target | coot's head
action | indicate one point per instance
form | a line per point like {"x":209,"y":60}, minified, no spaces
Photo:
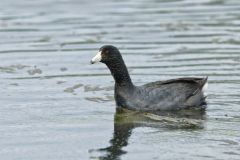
{"x":107,"y":54}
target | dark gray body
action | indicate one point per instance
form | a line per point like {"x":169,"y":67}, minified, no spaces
{"x":175,"y":94}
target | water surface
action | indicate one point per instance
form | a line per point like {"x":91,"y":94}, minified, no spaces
{"x":55,"y":105}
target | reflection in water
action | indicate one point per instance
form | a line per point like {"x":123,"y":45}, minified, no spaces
{"x":126,"y":121}
{"x":120,"y":139}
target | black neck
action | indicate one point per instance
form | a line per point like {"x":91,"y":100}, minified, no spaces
{"x":120,"y":73}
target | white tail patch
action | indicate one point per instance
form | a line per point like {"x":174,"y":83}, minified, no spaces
{"x":204,"y":89}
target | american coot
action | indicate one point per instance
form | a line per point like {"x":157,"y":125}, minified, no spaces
{"x":173,"y":94}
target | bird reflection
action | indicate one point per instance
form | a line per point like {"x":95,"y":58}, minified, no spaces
{"x":120,"y":139}
{"x":125,"y":122}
